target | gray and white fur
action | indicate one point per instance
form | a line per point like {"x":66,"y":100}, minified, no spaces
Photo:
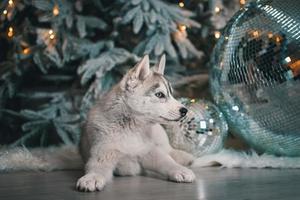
{"x":123,"y":135}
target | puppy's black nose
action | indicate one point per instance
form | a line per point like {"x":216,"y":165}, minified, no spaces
{"x":183,"y":111}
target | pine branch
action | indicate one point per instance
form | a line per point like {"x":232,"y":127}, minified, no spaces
{"x":161,"y":21}
{"x":62,"y":55}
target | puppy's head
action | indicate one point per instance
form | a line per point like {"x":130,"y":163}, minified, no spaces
{"x":149,"y":94}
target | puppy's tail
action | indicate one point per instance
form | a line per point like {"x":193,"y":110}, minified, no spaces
{"x":45,"y":159}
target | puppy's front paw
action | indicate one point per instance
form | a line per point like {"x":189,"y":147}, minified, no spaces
{"x":182,"y":175}
{"x":90,"y":182}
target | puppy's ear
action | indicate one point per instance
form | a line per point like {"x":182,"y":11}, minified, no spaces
{"x":138,"y":73}
{"x":160,"y":66}
{"x":142,"y":69}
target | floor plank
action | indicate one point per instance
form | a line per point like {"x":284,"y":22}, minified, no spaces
{"x":212,"y":184}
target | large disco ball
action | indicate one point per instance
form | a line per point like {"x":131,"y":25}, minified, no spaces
{"x":255,"y":77}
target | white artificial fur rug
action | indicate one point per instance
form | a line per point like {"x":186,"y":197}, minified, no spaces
{"x":233,"y":159}
{"x":45,"y":159}
{"x":67,"y":157}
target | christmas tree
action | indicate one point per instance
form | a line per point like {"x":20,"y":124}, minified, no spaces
{"x":58,"y":56}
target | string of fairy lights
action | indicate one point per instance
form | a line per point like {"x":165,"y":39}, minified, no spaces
{"x":9,"y":8}
{"x":55,"y":11}
{"x":181,"y":27}
{"x":217,"y":10}
{"x":11,"y":4}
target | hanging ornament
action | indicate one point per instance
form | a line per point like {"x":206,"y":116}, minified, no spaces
{"x":202,"y":131}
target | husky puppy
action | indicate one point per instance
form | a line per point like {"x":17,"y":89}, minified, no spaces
{"x":123,"y":135}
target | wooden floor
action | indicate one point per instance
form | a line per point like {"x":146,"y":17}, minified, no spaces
{"x":212,"y":184}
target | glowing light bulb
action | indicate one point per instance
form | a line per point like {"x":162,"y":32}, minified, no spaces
{"x":217,"y":9}
{"x":4,"y":12}
{"x":277,"y":39}
{"x":181,"y":4}
{"x":182,"y":27}
{"x":217,"y":34}
{"x":10,"y":32}
{"x":55,"y":10}
{"x":270,"y":35}
{"x":255,"y":34}
{"x":52,"y":36}
{"x":26,"y":51}
{"x":10,"y":2}
{"x":242,"y":2}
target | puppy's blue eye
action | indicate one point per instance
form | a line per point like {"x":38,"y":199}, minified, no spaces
{"x":160,"y":95}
